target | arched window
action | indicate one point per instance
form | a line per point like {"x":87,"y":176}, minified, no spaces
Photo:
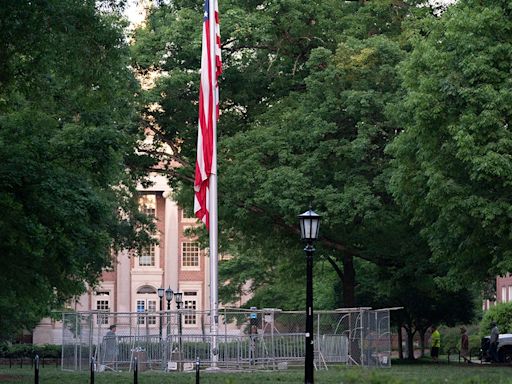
{"x":146,"y":289}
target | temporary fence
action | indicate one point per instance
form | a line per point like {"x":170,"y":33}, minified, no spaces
{"x":246,"y":339}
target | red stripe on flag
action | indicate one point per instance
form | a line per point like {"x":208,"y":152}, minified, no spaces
{"x":211,"y":68}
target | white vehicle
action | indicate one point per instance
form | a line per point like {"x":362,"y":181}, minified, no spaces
{"x":504,"y":348}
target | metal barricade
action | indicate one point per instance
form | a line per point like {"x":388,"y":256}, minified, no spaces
{"x":270,"y":338}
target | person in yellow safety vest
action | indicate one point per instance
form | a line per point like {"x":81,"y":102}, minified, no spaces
{"x":435,"y":343}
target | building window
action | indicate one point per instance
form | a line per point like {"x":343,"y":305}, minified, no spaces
{"x":152,"y":309}
{"x":141,"y":309}
{"x":102,"y":306}
{"x":510,"y":293}
{"x":190,"y":303}
{"x":146,"y":307}
{"x":185,"y":215}
{"x":146,"y":310}
{"x":503,"y":294}
{"x":147,"y":256}
{"x":190,"y":254}
{"x":147,"y":204}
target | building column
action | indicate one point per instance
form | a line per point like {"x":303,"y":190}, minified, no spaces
{"x":171,"y":264}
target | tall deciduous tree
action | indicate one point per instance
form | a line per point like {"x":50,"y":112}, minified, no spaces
{"x":303,"y":97}
{"x":68,"y":126}
{"x":453,"y":168}
{"x":304,"y":100}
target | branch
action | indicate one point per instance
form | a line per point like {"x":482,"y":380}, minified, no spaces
{"x":295,"y":230}
{"x":240,"y":47}
{"x":168,"y":171}
{"x":336,"y":268}
{"x":165,"y":156}
{"x":329,"y":243}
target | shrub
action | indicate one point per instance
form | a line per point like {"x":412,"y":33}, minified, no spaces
{"x":29,"y":350}
{"x":450,"y":337}
{"x":501,"y":313}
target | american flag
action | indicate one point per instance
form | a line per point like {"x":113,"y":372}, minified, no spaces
{"x":211,"y":68}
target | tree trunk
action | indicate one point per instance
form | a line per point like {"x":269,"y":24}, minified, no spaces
{"x":349,"y":281}
{"x":347,"y":277}
{"x":410,"y":343}
{"x":400,"y":348}
{"x":422,"y":341}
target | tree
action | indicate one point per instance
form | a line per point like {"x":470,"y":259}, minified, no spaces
{"x":303,"y":104}
{"x":424,"y":301}
{"x":452,"y":167}
{"x":68,"y":126}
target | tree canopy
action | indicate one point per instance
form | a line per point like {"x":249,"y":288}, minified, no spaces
{"x":304,"y":100}
{"x":68,"y":128}
{"x":452,"y":167}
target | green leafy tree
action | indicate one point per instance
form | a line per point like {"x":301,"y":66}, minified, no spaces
{"x":452,"y":160}
{"x":303,"y":119}
{"x":68,"y":126}
{"x":304,"y":99}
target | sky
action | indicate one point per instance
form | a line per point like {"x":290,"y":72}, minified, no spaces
{"x":135,"y":14}
{"x":134,"y":11}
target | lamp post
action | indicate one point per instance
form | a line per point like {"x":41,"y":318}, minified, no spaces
{"x":160,"y":292}
{"x":168,"y":297}
{"x":178,"y":297}
{"x":309,"y":225}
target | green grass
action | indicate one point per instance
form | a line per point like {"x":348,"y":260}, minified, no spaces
{"x":420,"y":373}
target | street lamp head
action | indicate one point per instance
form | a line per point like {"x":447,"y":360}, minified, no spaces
{"x":309,"y":225}
{"x":168,"y":294}
{"x":178,"y":297}
{"x":160,"y":292}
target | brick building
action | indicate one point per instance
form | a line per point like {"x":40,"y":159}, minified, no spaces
{"x":176,"y":262}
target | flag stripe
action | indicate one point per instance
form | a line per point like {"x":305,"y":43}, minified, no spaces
{"x":211,"y":68}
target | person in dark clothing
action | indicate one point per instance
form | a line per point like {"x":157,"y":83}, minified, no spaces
{"x":493,"y":342}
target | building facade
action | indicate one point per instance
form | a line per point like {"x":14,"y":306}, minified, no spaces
{"x":503,"y":291}
{"x":176,"y":262}
{"x":504,"y":288}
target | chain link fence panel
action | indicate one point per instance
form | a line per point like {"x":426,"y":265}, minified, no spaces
{"x":246,"y":339}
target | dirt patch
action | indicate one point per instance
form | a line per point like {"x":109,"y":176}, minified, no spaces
{"x":10,"y":378}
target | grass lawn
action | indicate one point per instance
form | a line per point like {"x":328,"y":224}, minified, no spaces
{"x":398,"y":374}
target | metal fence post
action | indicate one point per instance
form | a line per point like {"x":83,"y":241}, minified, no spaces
{"x":36,"y":369}
{"x":198,"y":363}
{"x":91,"y":370}
{"x":136,"y":371}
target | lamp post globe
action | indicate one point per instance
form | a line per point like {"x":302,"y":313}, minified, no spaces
{"x":309,"y":225}
{"x":309,"y":229}
{"x":178,"y":298}
{"x":168,"y":297}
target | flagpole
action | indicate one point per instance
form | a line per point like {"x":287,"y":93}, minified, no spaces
{"x":205,"y":184}
{"x":213,"y":228}
{"x":213,"y":232}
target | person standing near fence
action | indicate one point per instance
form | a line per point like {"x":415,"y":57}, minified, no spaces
{"x":493,"y":342}
{"x":110,"y":347}
{"x":464,"y":344}
{"x":435,"y":343}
